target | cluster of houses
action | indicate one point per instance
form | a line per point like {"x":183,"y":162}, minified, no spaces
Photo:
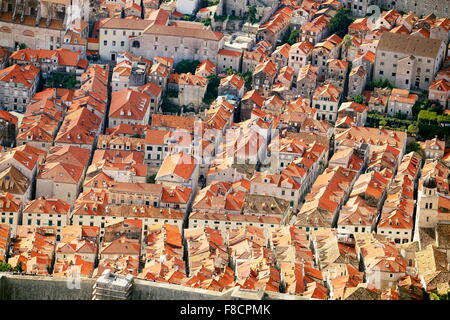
{"x":277,"y":185}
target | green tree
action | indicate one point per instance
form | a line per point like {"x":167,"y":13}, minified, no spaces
{"x":5,"y":267}
{"x":413,"y":129}
{"x":383,"y":123}
{"x":219,"y":18}
{"x":187,"y":17}
{"x":437,"y":296}
{"x":340,"y":22}
{"x":347,"y":40}
{"x":185,"y":66}
{"x":136,"y":135}
{"x":212,"y":90}
{"x":293,"y":37}
{"x":22,"y":46}
{"x":420,"y":105}
{"x":152,"y":178}
{"x":206,"y":22}
{"x":252,"y":15}
{"x":248,"y":79}
{"x":169,"y":106}
{"x":18,"y":267}
{"x":382,"y":83}
{"x":413,"y":146}
{"x":358,"y":99}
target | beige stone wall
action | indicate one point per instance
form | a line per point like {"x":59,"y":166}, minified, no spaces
{"x":50,"y":189}
{"x":387,"y":66}
{"x":42,"y":38}
{"x":180,"y":48}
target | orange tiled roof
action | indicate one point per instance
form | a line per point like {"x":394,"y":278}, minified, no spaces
{"x":26,"y":75}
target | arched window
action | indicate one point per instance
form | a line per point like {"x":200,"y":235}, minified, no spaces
{"x":136,"y":44}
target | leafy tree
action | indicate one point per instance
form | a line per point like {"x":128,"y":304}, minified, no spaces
{"x":206,"y":21}
{"x":379,"y":84}
{"x":420,"y":105}
{"x":169,"y":106}
{"x":212,"y":90}
{"x":383,"y":123}
{"x":219,"y":18}
{"x":340,"y":22}
{"x":438,"y":296}
{"x":413,"y":146}
{"x":136,"y":135}
{"x":247,"y":76}
{"x":435,"y":107}
{"x":293,"y":37}
{"x":152,"y":178}
{"x":185,"y":66}
{"x":62,"y":80}
{"x":5,"y":267}
{"x":358,"y":99}
{"x":252,"y":15}
{"x":347,"y":40}
{"x":22,"y":46}
{"x":426,"y":116}
{"x":187,"y":17}
{"x":413,"y":129}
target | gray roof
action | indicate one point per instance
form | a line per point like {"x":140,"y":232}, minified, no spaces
{"x":410,"y":45}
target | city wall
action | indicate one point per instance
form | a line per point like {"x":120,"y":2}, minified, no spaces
{"x":15,"y":287}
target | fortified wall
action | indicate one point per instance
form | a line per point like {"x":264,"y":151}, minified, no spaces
{"x":441,"y":8}
{"x":15,"y":287}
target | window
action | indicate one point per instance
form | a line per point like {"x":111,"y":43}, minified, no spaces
{"x":105,"y":43}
